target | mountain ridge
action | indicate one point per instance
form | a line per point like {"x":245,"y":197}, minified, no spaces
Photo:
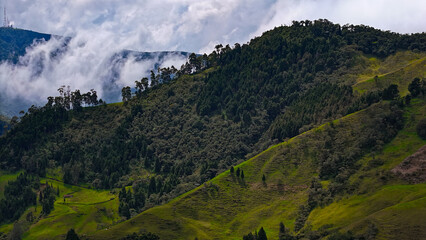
{"x":14,"y":44}
{"x":223,"y":108}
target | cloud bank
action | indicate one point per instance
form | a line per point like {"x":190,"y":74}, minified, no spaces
{"x":99,"y":29}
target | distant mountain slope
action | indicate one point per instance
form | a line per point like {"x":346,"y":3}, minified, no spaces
{"x":111,"y":89}
{"x":13,"y":42}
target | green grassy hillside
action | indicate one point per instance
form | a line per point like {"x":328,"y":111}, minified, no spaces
{"x":87,"y":211}
{"x":414,"y":66}
{"x":4,"y":178}
{"x":228,"y":207}
{"x":165,"y":142}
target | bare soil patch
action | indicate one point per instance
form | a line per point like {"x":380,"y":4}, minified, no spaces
{"x":413,"y":168}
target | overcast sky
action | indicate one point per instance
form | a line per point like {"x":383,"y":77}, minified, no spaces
{"x":102,"y":28}
{"x":197,"y":25}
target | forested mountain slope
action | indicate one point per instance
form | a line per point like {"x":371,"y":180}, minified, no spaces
{"x":332,"y":178}
{"x":221,"y":109}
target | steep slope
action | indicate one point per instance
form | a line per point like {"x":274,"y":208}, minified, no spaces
{"x":222,"y":109}
{"x":13,"y":42}
{"x":228,"y":207}
{"x":399,"y":76}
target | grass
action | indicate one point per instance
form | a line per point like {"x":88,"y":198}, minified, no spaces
{"x":5,"y":177}
{"x":415,"y":66}
{"x":228,"y":208}
{"x":86,"y":211}
{"x":355,"y":212}
{"x":389,"y":203}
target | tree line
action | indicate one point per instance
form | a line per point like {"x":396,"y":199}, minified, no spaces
{"x":185,"y":132}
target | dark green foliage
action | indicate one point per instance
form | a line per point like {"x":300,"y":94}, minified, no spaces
{"x":334,"y":157}
{"x":370,"y":233}
{"x":337,"y":161}
{"x":4,"y":126}
{"x":35,"y":127}
{"x":47,"y":198}
{"x":391,"y":92}
{"x":282,"y":231}
{"x":302,"y":216}
{"x":407,"y":99}
{"x":415,"y":87}
{"x":322,"y":102}
{"x":132,"y":201}
{"x":152,"y":186}
{"x":249,"y":236}
{"x":198,"y":125}
{"x":126,"y":94}
{"x":284,"y":234}
{"x":144,"y":236}
{"x":72,"y":235}
{"x":342,"y":236}
{"x":13,"y":42}
{"x":261,"y":235}
{"x":421,"y":128}
{"x":18,"y":195}
{"x":289,"y":66}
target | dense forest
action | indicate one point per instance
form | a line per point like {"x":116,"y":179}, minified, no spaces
{"x":188,"y":125}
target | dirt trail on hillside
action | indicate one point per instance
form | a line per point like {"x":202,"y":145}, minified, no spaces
{"x":413,"y":168}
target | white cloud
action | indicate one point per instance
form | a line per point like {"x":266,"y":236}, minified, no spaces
{"x":394,"y":15}
{"x":102,"y":28}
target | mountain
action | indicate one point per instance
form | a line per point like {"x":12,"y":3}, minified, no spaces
{"x":14,"y":44}
{"x":322,"y":112}
{"x":364,"y":197}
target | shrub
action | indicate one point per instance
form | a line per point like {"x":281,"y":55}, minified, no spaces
{"x":421,"y":128}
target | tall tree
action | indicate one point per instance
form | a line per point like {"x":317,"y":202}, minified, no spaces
{"x":154,"y":79}
{"x":72,"y":235}
{"x":415,"y":87}
{"x":391,"y":92}
{"x":139,"y":88}
{"x":261,"y":235}
{"x":145,"y":83}
{"x":126,"y":94}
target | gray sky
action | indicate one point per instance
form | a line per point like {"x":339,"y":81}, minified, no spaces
{"x":197,"y":25}
{"x":102,"y":28}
